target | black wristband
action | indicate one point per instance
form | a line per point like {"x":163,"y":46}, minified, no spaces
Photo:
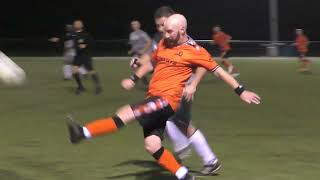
{"x":134,"y":78}
{"x":239,"y":90}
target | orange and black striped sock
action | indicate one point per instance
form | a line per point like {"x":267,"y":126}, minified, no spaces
{"x":168,"y":161}
{"x":104,"y":126}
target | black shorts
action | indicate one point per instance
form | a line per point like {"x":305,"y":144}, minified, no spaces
{"x":182,"y":117}
{"x":152,"y":114}
{"x":83,"y":60}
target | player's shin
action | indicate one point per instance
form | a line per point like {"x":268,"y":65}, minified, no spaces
{"x":202,"y":148}
{"x":78,"y":80}
{"x":178,"y":139}
{"x":102,"y":127}
{"x":167,"y":160}
{"x":67,"y":71}
{"x":95,"y":79}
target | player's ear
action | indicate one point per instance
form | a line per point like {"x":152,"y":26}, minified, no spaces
{"x":183,"y":31}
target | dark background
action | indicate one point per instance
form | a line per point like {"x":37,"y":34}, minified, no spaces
{"x":109,"y":19}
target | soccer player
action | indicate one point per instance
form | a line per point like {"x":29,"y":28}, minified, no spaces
{"x":174,"y":61}
{"x":140,"y":44}
{"x":83,"y":43}
{"x":179,"y":130}
{"x":222,"y":39}
{"x":302,"y":43}
{"x":68,"y":52}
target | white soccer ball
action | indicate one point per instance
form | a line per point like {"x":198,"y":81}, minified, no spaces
{"x":12,"y":77}
{"x":10,"y":73}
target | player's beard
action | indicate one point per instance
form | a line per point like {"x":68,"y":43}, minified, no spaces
{"x":172,"y":42}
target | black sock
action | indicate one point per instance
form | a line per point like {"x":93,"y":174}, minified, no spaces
{"x":157,"y":155}
{"x":95,"y":79}
{"x":78,"y":80}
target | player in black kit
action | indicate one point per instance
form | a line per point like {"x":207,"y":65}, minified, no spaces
{"x":83,"y":43}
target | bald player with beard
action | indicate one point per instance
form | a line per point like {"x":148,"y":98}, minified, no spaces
{"x":174,"y":61}
{"x":181,"y":133}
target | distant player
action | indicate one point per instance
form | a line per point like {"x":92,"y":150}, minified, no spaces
{"x":140,"y":44}
{"x":302,"y":43}
{"x":69,"y":52}
{"x":222,"y":40}
{"x":83,"y":43}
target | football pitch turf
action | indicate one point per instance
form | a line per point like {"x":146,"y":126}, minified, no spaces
{"x":276,"y":140}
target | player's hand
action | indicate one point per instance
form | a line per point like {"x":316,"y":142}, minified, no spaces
{"x":127,"y":84}
{"x":54,"y":39}
{"x":189,"y":92}
{"x":82,"y":46}
{"x":250,"y":97}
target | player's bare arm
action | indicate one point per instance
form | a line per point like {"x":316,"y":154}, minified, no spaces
{"x":54,"y":39}
{"x":190,"y":89}
{"x":245,"y":95}
{"x":144,"y":69}
{"x":82,"y":46}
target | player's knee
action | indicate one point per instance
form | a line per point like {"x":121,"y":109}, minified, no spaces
{"x":191,"y":130}
{"x":152,"y":144}
{"x":75,"y":69}
{"x":126,"y":114}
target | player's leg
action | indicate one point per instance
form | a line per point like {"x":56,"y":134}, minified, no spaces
{"x":179,"y":140}
{"x":76,"y":76}
{"x":102,"y":126}
{"x":177,"y":129}
{"x":203,"y":149}
{"x":195,"y":137}
{"x":225,"y":61}
{"x":83,"y":71}
{"x":123,"y":116}
{"x":165,"y":158}
{"x":67,"y":67}
{"x":224,"y":56}
{"x":153,"y":128}
{"x":304,"y":62}
{"x":95,"y":78}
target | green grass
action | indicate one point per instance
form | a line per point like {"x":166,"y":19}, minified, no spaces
{"x":277,"y":140}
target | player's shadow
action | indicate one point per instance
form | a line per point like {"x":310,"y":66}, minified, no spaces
{"x":154,"y":172}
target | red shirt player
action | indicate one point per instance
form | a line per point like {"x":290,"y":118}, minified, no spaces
{"x":301,"y":43}
{"x":222,"y":39}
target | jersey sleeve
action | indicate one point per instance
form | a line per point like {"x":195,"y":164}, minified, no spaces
{"x":203,"y":59}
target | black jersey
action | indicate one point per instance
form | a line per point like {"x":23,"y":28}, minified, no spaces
{"x":82,"y":38}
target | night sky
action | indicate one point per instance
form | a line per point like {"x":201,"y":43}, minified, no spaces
{"x":109,"y":19}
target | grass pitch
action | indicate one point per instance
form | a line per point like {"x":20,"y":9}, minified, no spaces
{"x":276,"y":140}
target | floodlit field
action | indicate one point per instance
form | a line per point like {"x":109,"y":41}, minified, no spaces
{"x":277,"y":140}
